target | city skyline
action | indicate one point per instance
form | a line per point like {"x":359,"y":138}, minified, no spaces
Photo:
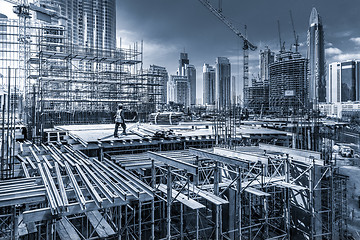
{"x":204,"y":37}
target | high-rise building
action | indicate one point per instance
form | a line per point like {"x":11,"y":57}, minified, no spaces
{"x":191,"y":75}
{"x":343,"y":84}
{"x":178,"y":90}
{"x":316,"y":56}
{"x":208,"y":84}
{"x":288,"y":83}
{"x":184,"y":60}
{"x":223,"y":83}
{"x":266,"y":58}
{"x":162,"y":76}
{"x":90,"y":23}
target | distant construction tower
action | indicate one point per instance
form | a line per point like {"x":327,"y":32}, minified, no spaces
{"x":288,"y":83}
{"x":90,"y":23}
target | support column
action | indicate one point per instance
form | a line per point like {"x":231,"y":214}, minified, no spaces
{"x":168,"y":203}
{"x":181,"y":221}
{"x":153,"y":179}
{"x":216,"y":192}
{"x":238,"y":198}
{"x":197,"y":224}
{"x":139,"y":220}
{"x":287,"y":196}
{"x":119,"y":223}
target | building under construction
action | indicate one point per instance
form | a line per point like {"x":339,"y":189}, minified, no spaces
{"x":168,"y":179}
{"x":288,"y":83}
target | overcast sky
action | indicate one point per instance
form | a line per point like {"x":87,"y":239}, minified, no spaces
{"x":169,"y":27}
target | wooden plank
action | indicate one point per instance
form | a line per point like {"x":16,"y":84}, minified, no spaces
{"x":301,"y":155}
{"x":241,"y":155}
{"x":257,"y":192}
{"x":101,"y":226}
{"x":219,"y":158}
{"x":190,"y":168}
{"x":182,"y":198}
{"x":65,"y":230}
{"x":206,"y":195}
{"x":291,"y":186}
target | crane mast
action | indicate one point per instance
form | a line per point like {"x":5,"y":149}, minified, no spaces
{"x":246,"y":46}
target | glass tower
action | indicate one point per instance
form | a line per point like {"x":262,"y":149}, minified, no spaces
{"x":316,"y":56}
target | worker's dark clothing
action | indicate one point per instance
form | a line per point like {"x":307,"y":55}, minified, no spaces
{"x":119,"y":120}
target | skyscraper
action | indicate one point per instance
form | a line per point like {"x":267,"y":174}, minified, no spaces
{"x":223,"y":82}
{"x":182,"y":62}
{"x":191,"y":75}
{"x":316,"y":56}
{"x":208,"y":84}
{"x":90,"y":23}
{"x":189,"y":71}
{"x":343,"y":82}
{"x":266,"y":58}
{"x":178,"y":90}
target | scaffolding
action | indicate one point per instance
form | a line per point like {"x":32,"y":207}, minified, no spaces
{"x":288,"y":84}
{"x":74,"y":84}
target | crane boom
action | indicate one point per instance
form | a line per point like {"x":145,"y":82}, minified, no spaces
{"x":247,"y":44}
{"x":222,"y":18}
{"x":296,"y":37}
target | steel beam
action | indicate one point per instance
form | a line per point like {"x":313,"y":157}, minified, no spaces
{"x":94,"y":194}
{"x":190,"y":168}
{"x":220,"y":158}
{"x":61,"y":185}
{"x":292,"y":152}
{"x":77,"y":190}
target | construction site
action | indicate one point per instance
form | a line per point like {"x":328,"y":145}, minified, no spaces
{"x":170,"y":175}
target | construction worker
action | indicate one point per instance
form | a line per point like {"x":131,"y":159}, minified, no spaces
{"x":119,"y":120}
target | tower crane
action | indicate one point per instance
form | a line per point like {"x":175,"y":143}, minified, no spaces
{"x":296,"y":37}
{"x":246,"y":46}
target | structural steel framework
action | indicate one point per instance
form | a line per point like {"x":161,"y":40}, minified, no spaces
{"x":265,"y":192}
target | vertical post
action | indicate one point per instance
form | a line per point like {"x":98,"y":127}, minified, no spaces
{"x":153,"y":179}
{"x":9,"y":166}
{"x":332,"y":199}
{"x":168,"y":202}
{"x":238,"y":186}
{"x":181,"y":221}
{"x":197,"y":224}
{"x":139,"y":220}
{"x":216,"y":192}
{"x":311,"y":200}
{"x":287,"y":195}
{"x":267,"y":218}
{"x":126,"y":221}
{"x":197,"y":163}
{"x":3,"y":137}
{"x":119,"y":223}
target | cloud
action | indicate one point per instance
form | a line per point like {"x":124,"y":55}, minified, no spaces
{"x":333,"y":51}
{"x":347,"y":56}
{"x":356,"y":40}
